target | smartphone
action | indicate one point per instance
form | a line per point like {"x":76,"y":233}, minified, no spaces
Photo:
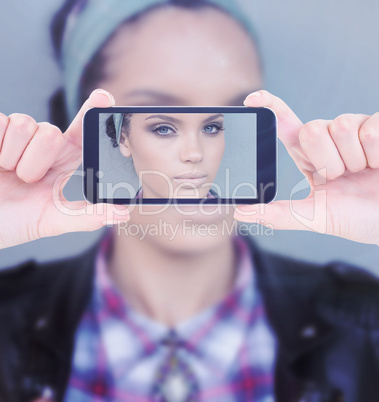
{"x":183,"y":155}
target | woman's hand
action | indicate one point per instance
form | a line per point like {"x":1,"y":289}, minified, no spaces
{"x":36,"y":161}
{"x":340,"y":159}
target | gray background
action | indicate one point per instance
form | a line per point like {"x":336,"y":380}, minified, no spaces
{"x":319,"y":56}
{"x":119,"y":179}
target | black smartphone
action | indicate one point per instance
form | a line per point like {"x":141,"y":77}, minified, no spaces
{"x":183,"y":155}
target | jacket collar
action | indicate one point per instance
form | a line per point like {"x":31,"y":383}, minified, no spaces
{"x":290,"y":290}
{"x":67,"y":285}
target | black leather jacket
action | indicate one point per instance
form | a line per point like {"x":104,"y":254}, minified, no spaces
{"x":326,"y":319}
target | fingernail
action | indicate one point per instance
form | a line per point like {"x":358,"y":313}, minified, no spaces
{"x":245,"y":207}
{"x":109,"y":223}
{"x":238,"y":217}
{"x":255,"y":94}
{"x":107,"y":94}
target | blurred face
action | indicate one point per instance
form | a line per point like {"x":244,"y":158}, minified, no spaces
{"x":179,"y":57}
{"x":175,"y":155}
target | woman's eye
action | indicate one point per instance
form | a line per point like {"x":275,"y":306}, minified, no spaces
{"x":163,"y":130}
{"x":212,"y":128}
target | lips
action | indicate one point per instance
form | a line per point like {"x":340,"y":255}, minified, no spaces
{"x":191,"y":179}
{"x":191,"y":175}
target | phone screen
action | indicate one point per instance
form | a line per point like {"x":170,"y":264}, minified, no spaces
{"x":178,"y":155}
{"x":155,"y":154}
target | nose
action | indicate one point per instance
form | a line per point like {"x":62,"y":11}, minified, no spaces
{"x":192,"y":149}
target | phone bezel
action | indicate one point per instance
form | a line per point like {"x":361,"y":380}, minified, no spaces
{"x":266,"y":136}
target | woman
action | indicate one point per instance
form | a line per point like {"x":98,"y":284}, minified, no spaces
{"x":181,"y":314}
{"x":174,"y":155}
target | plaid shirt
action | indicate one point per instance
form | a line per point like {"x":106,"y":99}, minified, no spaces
{"x":230,"y":346}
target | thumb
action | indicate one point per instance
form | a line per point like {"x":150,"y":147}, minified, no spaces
{"x":75,"y":216}
{"x":307,"y":214}
{"x":288,"y":123}
{"x":98,"y":98}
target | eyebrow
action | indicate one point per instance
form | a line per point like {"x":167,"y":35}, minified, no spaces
{"x":161,"y":97}
{"x":177,"y":121}
{"x":166,"y":99}
{"x":163,"y":117}
{"x":215,"y":116}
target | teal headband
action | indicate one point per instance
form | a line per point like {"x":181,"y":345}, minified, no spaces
{"x":89,"y":26}
{"x":117,"y":120}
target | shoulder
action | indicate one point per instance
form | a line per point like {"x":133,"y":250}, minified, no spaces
{"x":281,"y":270}
{"x":44,"y":300}
{"x":33,"y":283}
{"x":41,"y":305}
{"x":295,"y":290}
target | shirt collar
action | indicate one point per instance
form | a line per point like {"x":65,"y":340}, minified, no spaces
{"x":217,"y":334}
{"x":205,"y":334}
{"x":211,"y":194}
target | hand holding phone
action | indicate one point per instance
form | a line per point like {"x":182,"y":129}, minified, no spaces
{"x":36,"y":161}
{"x":339,"y":159}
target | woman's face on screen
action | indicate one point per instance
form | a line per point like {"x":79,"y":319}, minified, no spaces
{"x":175,"y":155}
{"x":179,"y":57}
